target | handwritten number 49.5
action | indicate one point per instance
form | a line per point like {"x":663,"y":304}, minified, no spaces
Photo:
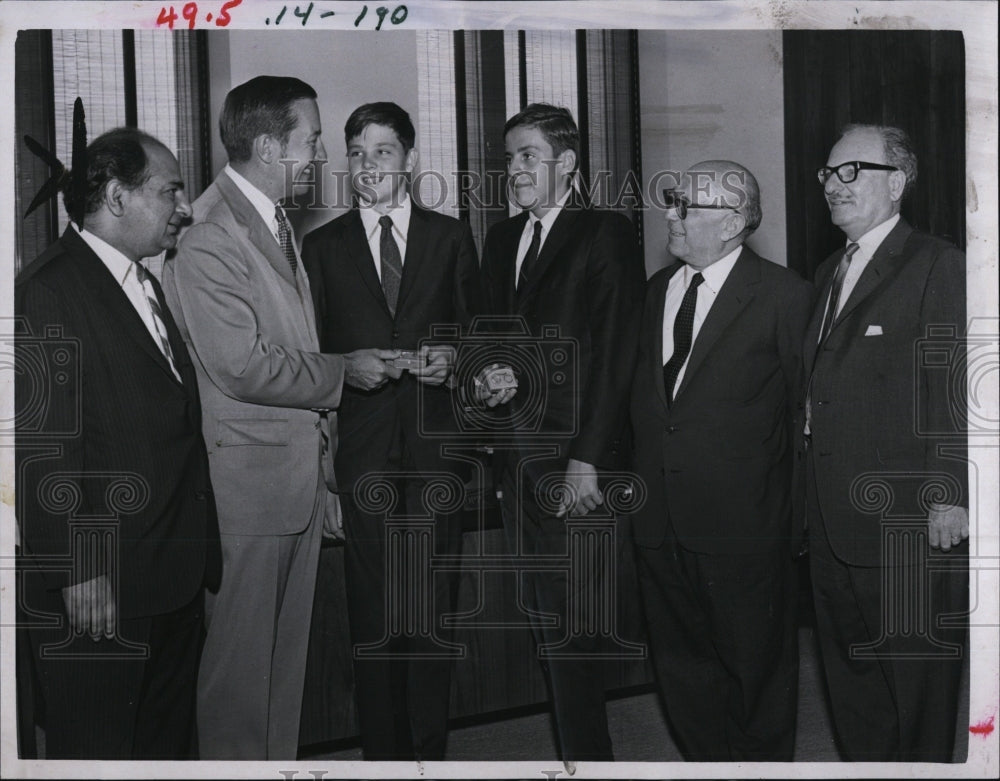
{"x":190,"y":12}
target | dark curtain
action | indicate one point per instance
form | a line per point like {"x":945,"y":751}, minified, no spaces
{"x":33,"y":116}
{"x":911,"y":79}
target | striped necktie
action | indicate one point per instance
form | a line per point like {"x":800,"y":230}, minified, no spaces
{"x":154,"y":306}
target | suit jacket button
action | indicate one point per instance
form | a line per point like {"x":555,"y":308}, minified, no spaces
{"x":199,"y":495}
{"x":395,"y":334}
{"x":671,"y":429}
{"x":218,"y":443}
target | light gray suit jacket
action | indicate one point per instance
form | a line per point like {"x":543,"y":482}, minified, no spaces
{"x":250,"y":327}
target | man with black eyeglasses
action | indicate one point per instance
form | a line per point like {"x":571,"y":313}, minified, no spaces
{"x":885,"y":474}
{"x":713,"y":400}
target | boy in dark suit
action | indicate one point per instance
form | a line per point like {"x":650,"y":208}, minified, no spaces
{"x":561,"y":264}
{"x":382,"y":275}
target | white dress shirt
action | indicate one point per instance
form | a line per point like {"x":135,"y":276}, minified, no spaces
{"x":264,"y":206}
{"x":867,"y":246}
{"x":123,"y":270}
{"x":400,"y":227}
{"x":529,"y":229}
{"x":714,"y":276}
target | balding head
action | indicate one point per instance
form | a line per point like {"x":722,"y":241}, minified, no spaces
{"x":722,"y":209}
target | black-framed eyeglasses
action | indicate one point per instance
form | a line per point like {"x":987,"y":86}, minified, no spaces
{"x":680,"y":203}
{"x":848,"y":172}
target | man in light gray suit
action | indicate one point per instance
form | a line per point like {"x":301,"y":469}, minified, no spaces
{"x":243,"y":304}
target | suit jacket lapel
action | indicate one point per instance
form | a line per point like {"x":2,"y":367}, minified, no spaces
{"x":881,"y":266}
{"x":560,"y":233}
{"x":656,"y":324}
{"x":110,"y":294}
{"x":735,"y":294}
{"x":507,"y":261}
{"x":361,"y":256}
{"x":417,"y":246}
{"x":811,"y":346}
{"x":259,"y":233}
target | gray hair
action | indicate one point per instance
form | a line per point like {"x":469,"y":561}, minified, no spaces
{"x":899,"y":150}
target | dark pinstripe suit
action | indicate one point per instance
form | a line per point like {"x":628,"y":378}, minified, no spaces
{"x":110,"y":437}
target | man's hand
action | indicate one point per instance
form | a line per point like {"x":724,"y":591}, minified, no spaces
{"x":90,"y":607}
{"x":947,"y":526}
{"x":582,"y":494}
{"x":367,"y":369}
{"x":489,"y":397}
{"x":440,"y":361}
{"x":333,"y":517}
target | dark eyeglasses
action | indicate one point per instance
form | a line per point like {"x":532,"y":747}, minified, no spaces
{"x":676,"y":200}
{"x":848,"y":172}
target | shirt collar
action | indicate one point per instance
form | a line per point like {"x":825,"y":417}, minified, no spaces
{"x":117,"y":263}
{"x":264,"y":206}
{"x":716,"y":274}
{"x":400,"y":217}
{"x":869,"y":242}
{"x":550,"y":216}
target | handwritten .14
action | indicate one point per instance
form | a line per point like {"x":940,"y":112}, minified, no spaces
{"x":190,"y":12}
{"x":398,"y":15}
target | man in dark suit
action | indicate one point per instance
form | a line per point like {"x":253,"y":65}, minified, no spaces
{"x":885,"y":469}
{"x":576,"y":271}
{"x":382,"y":276}
{"x":712,"y":406}
{"x":115,"y":507}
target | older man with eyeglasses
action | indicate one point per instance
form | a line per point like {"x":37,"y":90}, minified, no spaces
{"x":886,"y":487}
{"x":713,"y":400}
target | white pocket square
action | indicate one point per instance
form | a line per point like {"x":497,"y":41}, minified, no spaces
{"x":874,"y":330}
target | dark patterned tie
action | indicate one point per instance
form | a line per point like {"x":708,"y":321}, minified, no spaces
{"x":683,"y":329}
{"x":531,"y":256}
{"x":838,"y":284}
{"x":154,"y":306}
{"x":391,"y":263}
{"x":285,"y":239}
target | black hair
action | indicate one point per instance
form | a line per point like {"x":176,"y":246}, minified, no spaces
{"x":383,"y":113}
{"x":261,"y":106}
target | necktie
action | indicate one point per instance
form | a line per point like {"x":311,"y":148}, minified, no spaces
{"x":838,"y":284}
{"x":285,"y":239}
{"x":154,"y":306}
{"x":391,"y":263}
{"x":531,"y":256}
{"x":683,"y":329}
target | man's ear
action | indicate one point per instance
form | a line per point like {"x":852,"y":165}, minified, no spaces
{"x":897,"y":183}
{"x":734,"y":225}
{"x":567,"y":161}
{"x":412,"y":158}
{"x":267,"y":148}
{"x":115,"y":195}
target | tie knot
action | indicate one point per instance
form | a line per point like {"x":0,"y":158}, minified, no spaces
{"x":537,"y":228}
{"x":279,"y":215}
{"x":851,"y":249}
{"x":697,"y":279}
{"x":140,"y":273}
{"x":385,"y":221}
